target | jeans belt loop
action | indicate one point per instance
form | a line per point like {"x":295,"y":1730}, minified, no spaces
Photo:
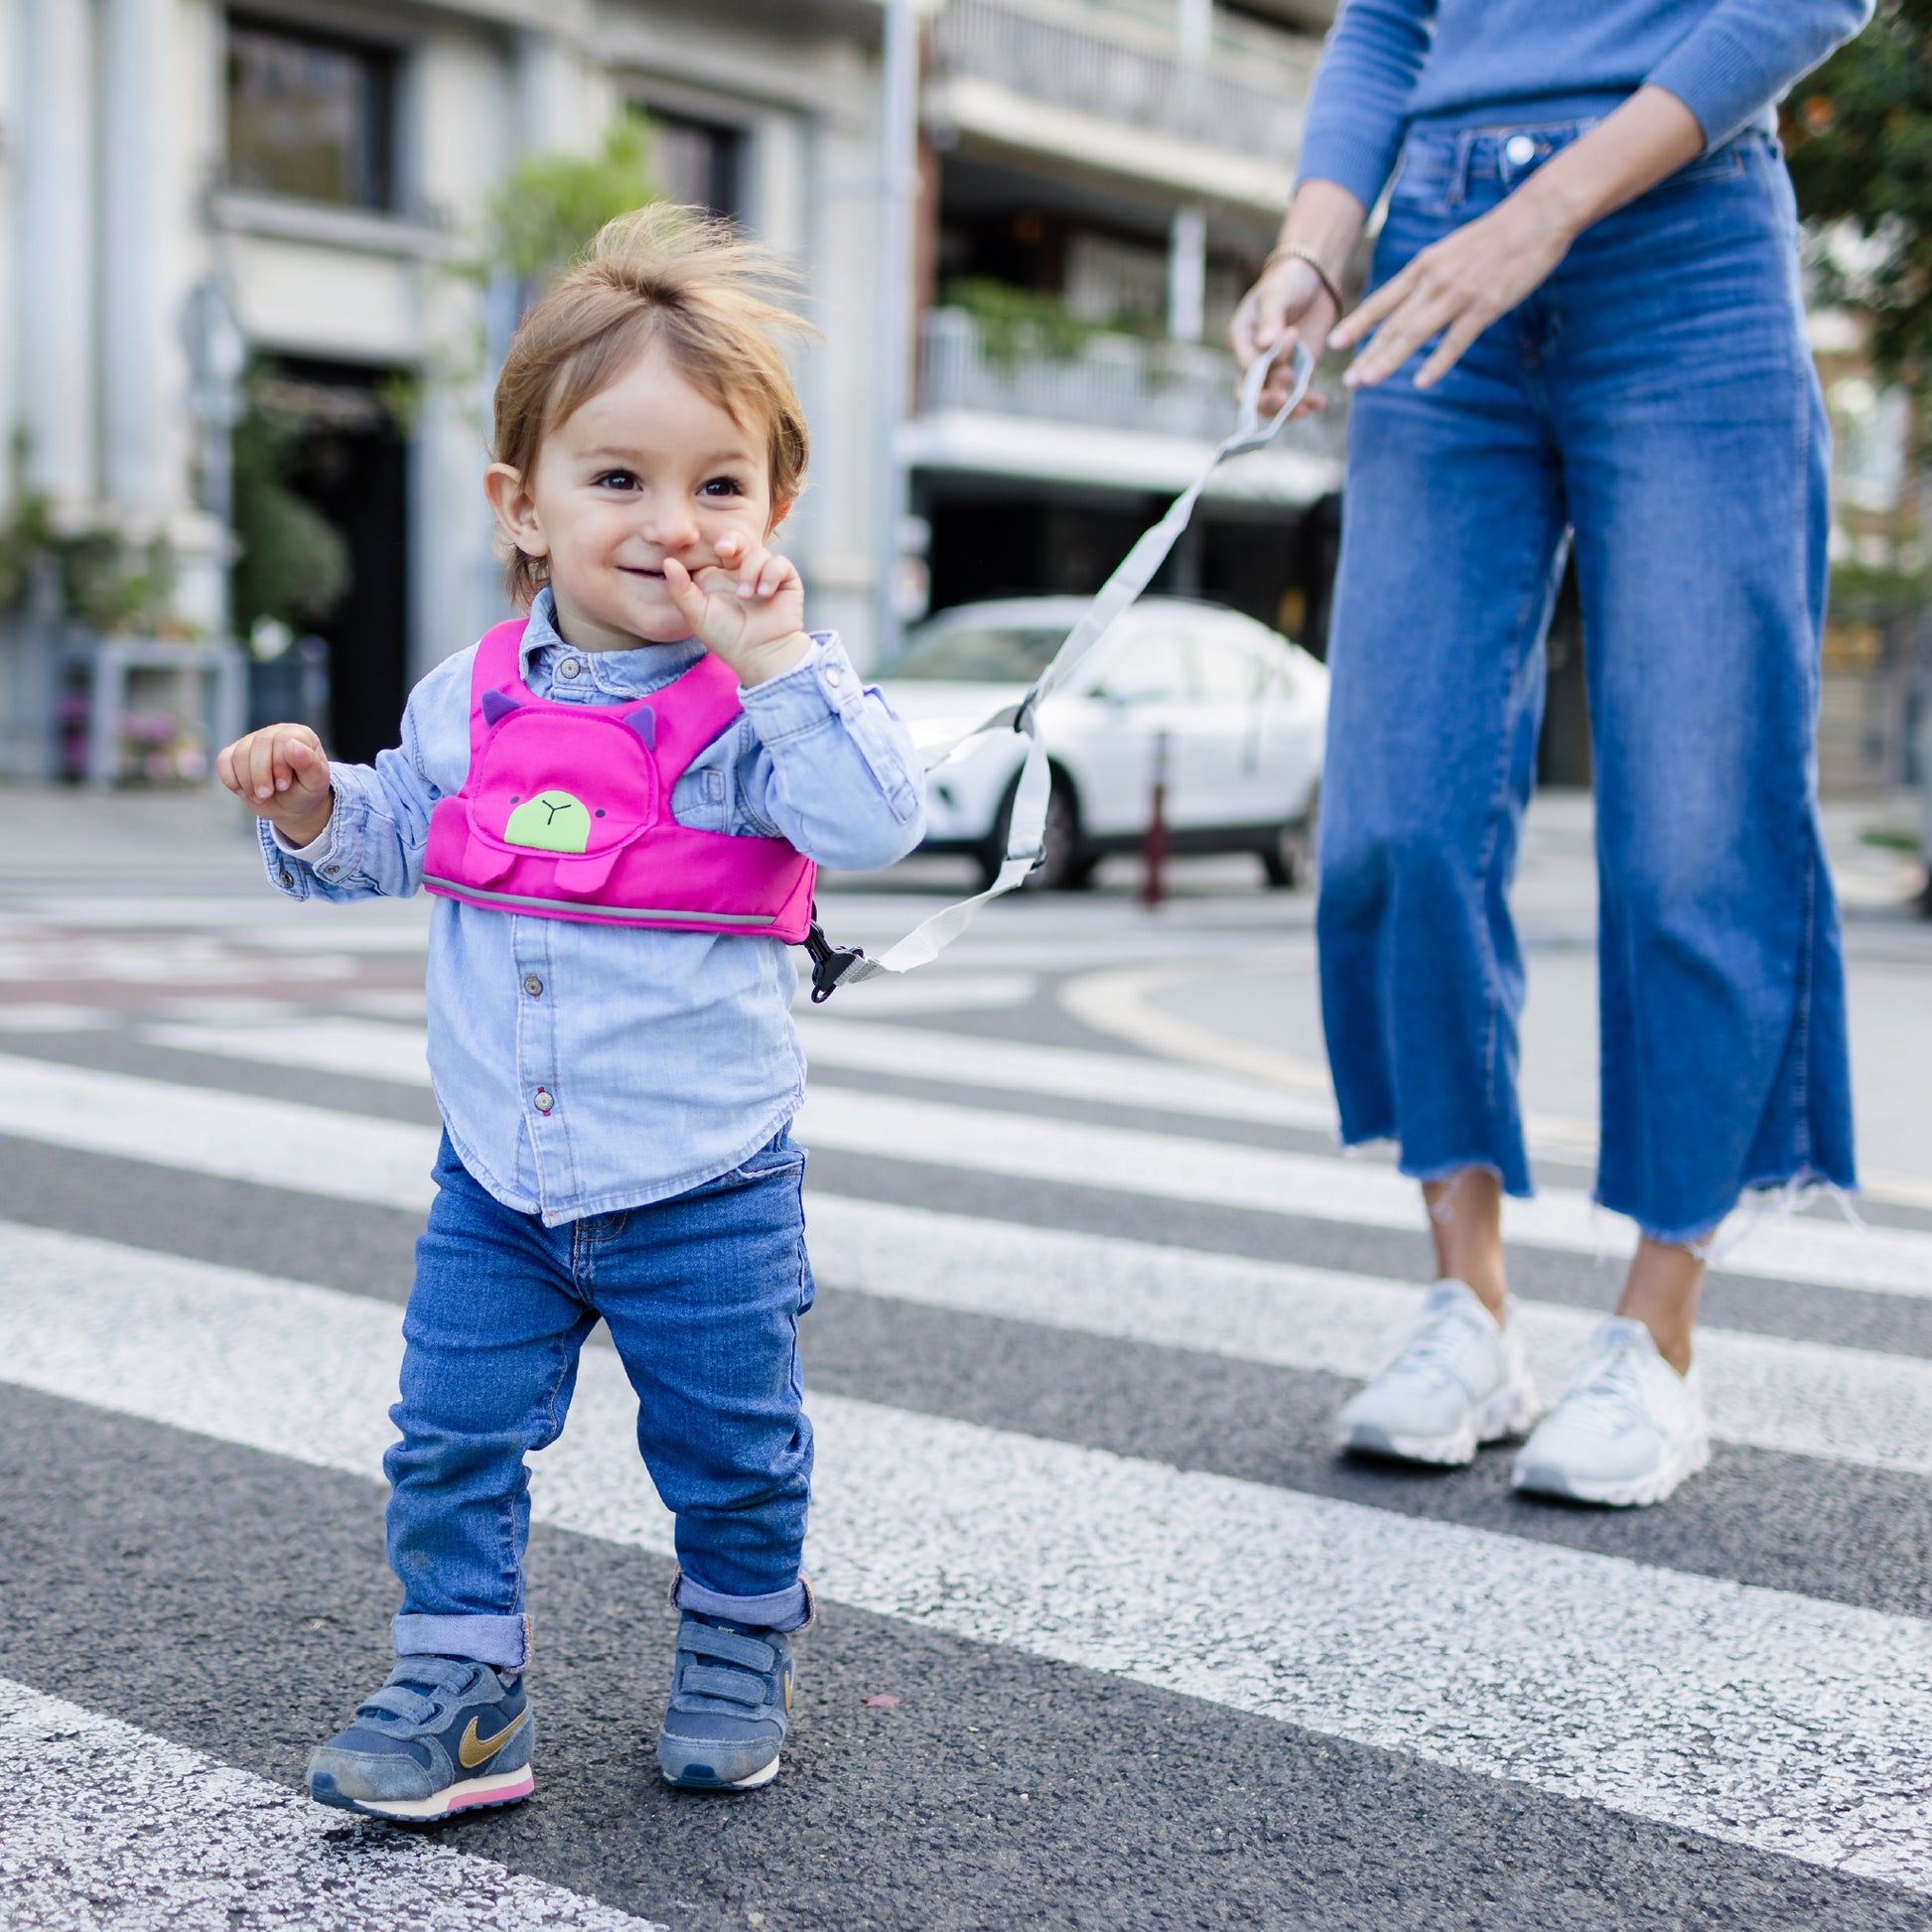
{"x":1459,"y":186}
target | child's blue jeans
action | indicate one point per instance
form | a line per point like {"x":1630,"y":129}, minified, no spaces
{"x":702,"y":1294}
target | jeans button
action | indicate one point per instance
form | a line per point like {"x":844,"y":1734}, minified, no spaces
{"x":533,"y":986}
{"x":545,"y":1100}
{"x":1519,"y":150}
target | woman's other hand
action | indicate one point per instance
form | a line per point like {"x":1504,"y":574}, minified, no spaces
{"x":1455,"y":288}
{"x":1459,"y":285}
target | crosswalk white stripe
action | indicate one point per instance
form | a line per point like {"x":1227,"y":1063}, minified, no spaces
{"x":1082,"y":1153}
{"x":1324,"y":1187}
{"x":235,"y":1136}
{"x":98,"y":1810}
{"x":385,"y":1052}
{"x":1751,"y":1714}
{"x":1799,"y":1398}
{"x":321,"y":1150}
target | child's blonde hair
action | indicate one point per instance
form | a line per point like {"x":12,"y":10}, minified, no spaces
{"x":678,"y":276}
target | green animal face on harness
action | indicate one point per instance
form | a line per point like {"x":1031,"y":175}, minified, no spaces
{"x":552,"y":821}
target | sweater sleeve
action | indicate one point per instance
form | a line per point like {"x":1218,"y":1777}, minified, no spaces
{"x":1358,"y":106}
{"x":1745,"y":54}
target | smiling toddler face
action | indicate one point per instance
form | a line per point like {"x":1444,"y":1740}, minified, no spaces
{"x":648,"y":467}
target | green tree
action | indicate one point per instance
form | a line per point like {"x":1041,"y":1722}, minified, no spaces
{"x":551,"y":205}
{"x":1860,"y":136}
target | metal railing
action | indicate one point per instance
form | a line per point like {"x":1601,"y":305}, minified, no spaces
{"x":1125,"y":76}
{"x":1114,"y":382}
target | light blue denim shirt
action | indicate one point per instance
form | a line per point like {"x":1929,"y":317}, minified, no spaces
{"x":666,"y":1058}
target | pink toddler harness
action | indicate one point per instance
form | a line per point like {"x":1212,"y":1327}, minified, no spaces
{"x":566,"y":811}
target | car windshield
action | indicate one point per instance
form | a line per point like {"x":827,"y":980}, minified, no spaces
{"x":994,"y":654}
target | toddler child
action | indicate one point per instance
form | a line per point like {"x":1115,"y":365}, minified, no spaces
{"x":618,"y":801}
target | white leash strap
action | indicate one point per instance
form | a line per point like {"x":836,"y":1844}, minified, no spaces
{"x":833,"y":967}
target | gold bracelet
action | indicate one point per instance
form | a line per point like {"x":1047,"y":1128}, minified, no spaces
{"x":1322,"y":275}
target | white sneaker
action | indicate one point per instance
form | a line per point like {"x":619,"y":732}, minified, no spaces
{"x":1457,"y":1381}
{"x":1627,"y":1430}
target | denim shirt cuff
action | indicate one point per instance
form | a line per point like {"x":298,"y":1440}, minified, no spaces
{"x":334,"y":856}
{"x":824,"y":688}
{"x":821,"y":685}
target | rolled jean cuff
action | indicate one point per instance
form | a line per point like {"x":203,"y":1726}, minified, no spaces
{"x":790,"y":1608}
{"x":504,"y":1641}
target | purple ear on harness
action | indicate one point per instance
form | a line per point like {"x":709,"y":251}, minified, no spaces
{"x":643,"y":721}
{"x":495,"y":705}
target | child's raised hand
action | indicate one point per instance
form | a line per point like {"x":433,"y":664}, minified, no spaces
{"x":747,"y":608}
{"x":281,"y":774}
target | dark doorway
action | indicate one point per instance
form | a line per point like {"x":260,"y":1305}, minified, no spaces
{"x":997,"y":540}
{"x":351,"y":460}
{"x":1026,"y":546}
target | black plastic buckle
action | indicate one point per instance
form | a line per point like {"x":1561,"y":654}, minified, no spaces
{"x":830,"y":963}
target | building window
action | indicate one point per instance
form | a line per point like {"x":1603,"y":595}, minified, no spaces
{"x":310,"y":116}
{"x":697,"y":161}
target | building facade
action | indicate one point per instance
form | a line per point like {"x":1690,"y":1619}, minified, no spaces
{"x":191,"y":186}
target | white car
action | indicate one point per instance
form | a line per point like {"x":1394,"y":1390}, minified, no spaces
{"x":1231,"y":711}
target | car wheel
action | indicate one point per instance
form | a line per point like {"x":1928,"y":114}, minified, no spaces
{"x":1289,"y":857}
{"x":1064,"y":866}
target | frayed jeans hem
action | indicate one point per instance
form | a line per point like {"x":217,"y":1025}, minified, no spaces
{"x":1764,"y":1196}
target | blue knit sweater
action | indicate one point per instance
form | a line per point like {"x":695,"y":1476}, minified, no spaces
{"x":1510,"y":63}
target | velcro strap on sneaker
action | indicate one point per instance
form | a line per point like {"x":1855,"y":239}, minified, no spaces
{"x":734,"y":1686}
{"x":400,"y":1701}
{"x":702,"y":1641}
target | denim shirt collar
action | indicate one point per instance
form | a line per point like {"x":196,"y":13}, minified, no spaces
{"x":610,"y":676}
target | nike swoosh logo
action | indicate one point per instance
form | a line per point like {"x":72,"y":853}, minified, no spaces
{"x":472,"y":1751}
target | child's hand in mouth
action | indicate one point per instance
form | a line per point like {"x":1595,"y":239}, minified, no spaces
{"x":748,"y":607}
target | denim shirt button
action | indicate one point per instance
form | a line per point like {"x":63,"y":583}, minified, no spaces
{"x":569,"y":668}
{"x":286,"y":877}
{"x":833,"y":675}
{"x":533,"y":986}
{"x":545,"y":1100}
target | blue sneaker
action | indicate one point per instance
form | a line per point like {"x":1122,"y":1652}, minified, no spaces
{"x":440,"y":1735}
{"x":731,"y":1700}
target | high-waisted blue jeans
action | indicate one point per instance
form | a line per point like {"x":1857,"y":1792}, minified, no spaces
{"x":1655,"y":398}
{"x":702,"y":1294}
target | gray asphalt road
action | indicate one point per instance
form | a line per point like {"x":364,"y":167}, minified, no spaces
{"x":1277,"y":1690}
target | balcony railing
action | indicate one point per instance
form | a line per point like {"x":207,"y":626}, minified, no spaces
{"x":1175,"y":389}
{"x":1124,"y":73}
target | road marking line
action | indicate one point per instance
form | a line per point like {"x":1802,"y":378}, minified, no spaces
{"x":1753,"y":1715}
{"x":1027,"y":1146}
{"x":353,"y":1157}
{"x":235,"y":1136}
{"x":99,"y":1811}
{"x":379,"y":1052}
{"x":1798,"y":1398}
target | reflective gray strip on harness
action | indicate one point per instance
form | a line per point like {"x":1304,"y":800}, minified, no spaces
{"x":1028,"y":824}
{"x":585,"y":911}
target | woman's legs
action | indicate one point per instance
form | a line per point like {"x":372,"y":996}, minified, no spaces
{"x":1695,"y":461}
{"x":1449,"y":563}
{"x":1465,"y":1219}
